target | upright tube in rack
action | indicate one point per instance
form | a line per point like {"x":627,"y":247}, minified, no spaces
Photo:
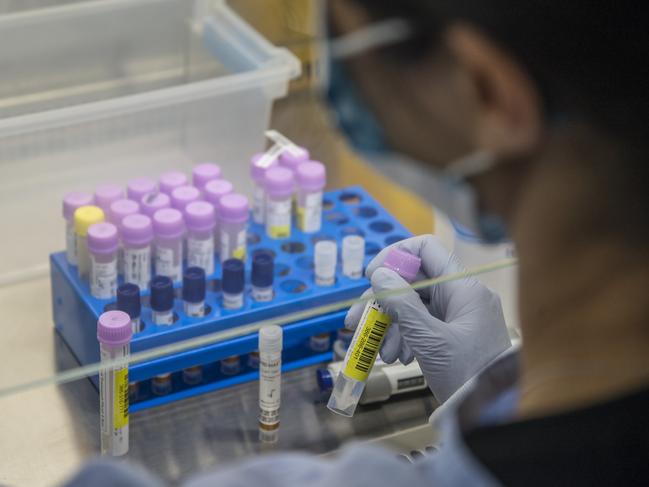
{"x":183,"y":196}
{"x":200,"y":220}
{"x":162,"y":301}
{"x":114,"y":335}
{"x":270,"y":377}
{"x":169,"y":229}
{"x":279,"y":186}
{"x":263,"y":272}
{"x":213,"y":192}
{"x":128,"y":301}
{"x":259,"y":164}
{"x":367,"y":341}
{"x":71,"y":202}
{"x":325,"y":258}
{"x":106,"y":194}
{"x":233,"y":284}
{"x":102,"y":246}
{"x":233,"y":222}
{"x":171,"y":180}
{"x":353,"y":256}
{"x":204,"y":173}
{"x":137,"y":237}
{"x":137,"y":188}
{"x":152,"y":202}
{"x":84,"y":217}
{"x":311,"y":179}
{"x":119,"y":210}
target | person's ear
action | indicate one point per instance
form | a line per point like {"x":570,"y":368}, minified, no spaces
{"x":507,"y":104}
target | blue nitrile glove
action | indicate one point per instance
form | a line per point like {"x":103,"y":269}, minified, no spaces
{"x":454,"y":329}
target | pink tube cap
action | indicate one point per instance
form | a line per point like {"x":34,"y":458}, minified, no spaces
{"x":278,"y":182}
{"x":138,"y":187}
{"x":120,"y":209}
{"x":152,"y":202}
{"x":215,"y":190}
{"x":403,"y":263}
{"x":74,"y":200}
{"x":204,"y":173}
{"x":168,"y":223}
{"x":200,"y":216}
{"x":183,"y":195}
{"x":114,"y":328}
{"x":257,"y":171}
{"x":293,"y":158}
{"x":171,"y":180}
{"x":311,"y":176}
{"x":105,"y":194}
{"x":102,"y":238}
{"x":137,"y":230}
{"x":234,"y":208}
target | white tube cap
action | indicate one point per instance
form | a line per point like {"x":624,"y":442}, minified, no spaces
{"x":270,"y":339}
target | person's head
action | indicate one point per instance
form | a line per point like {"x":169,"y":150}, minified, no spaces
{"x":556,"y":91}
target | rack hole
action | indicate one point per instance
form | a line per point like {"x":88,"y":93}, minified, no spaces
{"x":293,"y":247}
{"x":381,"y":226}
{"x":337,"y":218}
{"x":252,"y":238}
{"x":371,"y":248}
{"x":394,"y":239}
{"x":265,"y":251}
{"x":352,"y":231}
{"x":293,"y":286}
{"x":305,"y":262}
{"x":319,"y":237}
{"x":214,"y":285}
{"x":350,"y":198}
{"x":366,"y":212}
{"x":282,"y":270}
{"x":327,"y":204}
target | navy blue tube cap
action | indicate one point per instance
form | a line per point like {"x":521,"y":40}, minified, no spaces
{"x":162,"y":293}
{"x":262,"y":269}
{"x":233,"y":276}
{"x":325,"y":380}
{"x":194,"y":285}
{"x":128,"y":300}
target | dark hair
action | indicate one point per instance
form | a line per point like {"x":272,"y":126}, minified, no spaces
{"x":589,"y":60}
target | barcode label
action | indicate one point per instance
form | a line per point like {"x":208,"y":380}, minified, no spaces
{"x":366,"y":345}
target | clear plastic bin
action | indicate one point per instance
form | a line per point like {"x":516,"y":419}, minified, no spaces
{"x":112,"y":89}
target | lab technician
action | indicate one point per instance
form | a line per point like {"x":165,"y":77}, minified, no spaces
{"x":543,"y":109}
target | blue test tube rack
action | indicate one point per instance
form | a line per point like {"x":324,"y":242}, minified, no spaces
{"x":346,"y":211}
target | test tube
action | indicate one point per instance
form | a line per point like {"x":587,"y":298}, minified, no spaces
{"x":367,"y":340}
{"x":162,"y":300}
{"x":320,"y":343}
{"x":204,"y":173}
{"x":137,"y":237}
{"x":279,"y":186}
{"x":184,"y":195}
{"x":152,"y":202}
{"x":114,"y":335}
{"x":137,"y":188}
{"x":233,"y":221}
{"x":128,"y":301}
{"x":311,"y":179}
{"x":213,"y":192}
{"x":262,"y":276}
{"x":102,"y":246}
{"x":71,"y":202}
{"x":161,"y":384}
{"x":231,"y":365}
{"x":270,"y":377}
{"x":324,"y":261}
{"x":85,"y":216}
{"x":200,"y":220}
{"x":341,"y":344}
{"x":259,"y":164}
{"x":169,"y":230}
{"x":171,"y":180}
{"x":105,"y":194}
{"x":353,"y":256}
{"x":194,"y":292}
{"x":119,"y":210}
{"x":232,"y":284}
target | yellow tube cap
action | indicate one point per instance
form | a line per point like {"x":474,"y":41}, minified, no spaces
{"x":85,"y":216}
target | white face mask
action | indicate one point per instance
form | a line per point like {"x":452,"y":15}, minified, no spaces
{"x":448,"y":190}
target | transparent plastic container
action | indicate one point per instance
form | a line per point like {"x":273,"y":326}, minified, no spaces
{"x":108,"y":90}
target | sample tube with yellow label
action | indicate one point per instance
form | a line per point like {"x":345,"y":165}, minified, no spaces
{"x":367,"y":341}
{"x":279,"y":186}
{"x":114,"y":332}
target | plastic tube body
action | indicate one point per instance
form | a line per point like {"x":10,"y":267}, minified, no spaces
{"x":353,"y":255}
{"x":113,"y":402}
{"x":200,"y":250}
{"x":278,"y":217}
{"x":137,"y":264}
{"x":233,"y":240}
{"x":324,"y":261}
{"x":103,"y":275}
{"x":270,"y":376}
{"x":309,"y":210}
{"x":169,"y":257}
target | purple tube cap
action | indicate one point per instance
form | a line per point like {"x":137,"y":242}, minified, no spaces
{"x":234,"y":208}
{"x":138,"y":187}
{"x":172,"y":179}
{"x":204,"y":173}
{"x":215,"y":190}
{"x":291,"y":158}
{"x":152,"y":202}
{"x":311,"y":175}
{"x":278,"y":182}
{"x":200,"y":216}
{"x":74,"y":200}
{"x":137,"y":230}
{"x":114,"y":328}
{"x":183,"y":195}
{"x":403,"y":263}
{"x":122,"y":208}
{"x":168,"y":223}
{"x":102,"y":238}
{"x":257,"y":170}
{"x":105,"y":194}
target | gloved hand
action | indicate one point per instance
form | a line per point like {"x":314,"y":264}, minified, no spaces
{"x":454,"y":329}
